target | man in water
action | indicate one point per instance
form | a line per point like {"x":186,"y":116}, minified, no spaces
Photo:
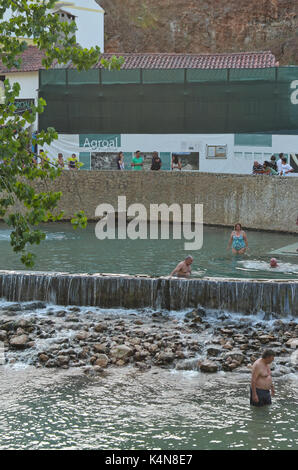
{"x":183,"y":269}
{"x":261,"y":380}
{"x":273,"y":263}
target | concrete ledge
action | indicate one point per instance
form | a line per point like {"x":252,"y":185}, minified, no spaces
{"x":279,"y":298}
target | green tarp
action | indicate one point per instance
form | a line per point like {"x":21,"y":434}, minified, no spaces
{"x":171,"y":101}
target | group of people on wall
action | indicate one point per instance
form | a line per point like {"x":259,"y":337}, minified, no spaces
{"x":72,"y":163}
{"x":137,"y":162}
{"x":274,"y":167}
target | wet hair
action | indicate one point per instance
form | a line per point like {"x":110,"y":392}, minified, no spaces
{"x":268,"y":353}
{"x":236,"y":226}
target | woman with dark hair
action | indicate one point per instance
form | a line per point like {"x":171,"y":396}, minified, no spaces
{"x":238,"y":240}
{"x":120,"y":161}
{"x":156,"y":162}
{"x":176,"y":162}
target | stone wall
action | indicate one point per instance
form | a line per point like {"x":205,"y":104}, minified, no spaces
{"x":258,"y":202}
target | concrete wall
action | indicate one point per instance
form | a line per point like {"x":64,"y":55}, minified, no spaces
{"x":259,"y":202}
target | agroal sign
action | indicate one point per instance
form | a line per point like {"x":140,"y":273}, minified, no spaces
{"x":99,"y":142}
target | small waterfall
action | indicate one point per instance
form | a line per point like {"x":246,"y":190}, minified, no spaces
{"x":115,"y":290}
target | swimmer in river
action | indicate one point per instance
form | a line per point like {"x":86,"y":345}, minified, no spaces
{"x":261,"y":380}
{"x":273,"y":263}
{"x":238,"y":240}
{"x":183,"y":269}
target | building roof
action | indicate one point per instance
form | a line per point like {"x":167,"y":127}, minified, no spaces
{"x":32,"y":58}
{"x":32,"y":61}
{"x":240,"y":60}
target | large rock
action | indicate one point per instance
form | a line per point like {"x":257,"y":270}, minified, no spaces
{"x":82,"y":335}
{"x":213,"y":351}
{"x":208,"y":366}
{"x":102,"y":360}
{"x":62,"y":360}
{"x":100,"y":327}
{"x":121,"y":351}
{"x":164,"y":357}
{"x":3,"y":335}
{"x":292,"y":343}
{"x":19,"y":342}
{"x":235,"y":355}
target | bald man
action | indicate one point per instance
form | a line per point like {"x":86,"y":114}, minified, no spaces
{"x":183,"y":269}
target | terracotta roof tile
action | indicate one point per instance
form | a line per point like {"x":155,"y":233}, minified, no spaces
{"x":196,"y":61}
{"x":32,"y":60}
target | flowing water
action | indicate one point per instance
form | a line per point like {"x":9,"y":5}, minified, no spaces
{"x":160,"y":408}
{"x":80,"y":251}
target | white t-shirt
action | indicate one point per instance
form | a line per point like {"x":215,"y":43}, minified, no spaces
{"x":285,"y":168}
{"x":279,"y":164}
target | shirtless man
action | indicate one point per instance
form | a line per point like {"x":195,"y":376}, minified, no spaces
{"x":261,"y":380}
{"x":183,"y":269}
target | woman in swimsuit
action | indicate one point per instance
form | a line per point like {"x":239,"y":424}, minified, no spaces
{"x":238,"y":240}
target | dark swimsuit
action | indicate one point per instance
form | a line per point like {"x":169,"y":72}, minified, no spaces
{"x":263,"y":395}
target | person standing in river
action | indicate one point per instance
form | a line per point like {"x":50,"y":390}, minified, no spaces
{"x":238,"y":240}
{"x":261,"y":380}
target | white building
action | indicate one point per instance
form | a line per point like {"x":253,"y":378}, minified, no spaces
{"x":89,"y":18}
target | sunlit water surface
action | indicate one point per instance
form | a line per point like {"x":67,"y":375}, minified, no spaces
{"x":80,"y":251}
{"x":159,"y":409}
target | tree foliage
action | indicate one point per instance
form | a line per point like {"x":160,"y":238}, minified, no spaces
{"x":21,"y":206}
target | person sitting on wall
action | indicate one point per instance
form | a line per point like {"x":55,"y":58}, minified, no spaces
{"x":73,"y":163}
{"x":137,"y":161}
{"x":285,"y":167}
{"x":156,"y":162}
{"x":43,"y":158}
{"x":60,"y":161}
{"x":279,"y":162}
{"x":268,"y":170}
{"x":273,"y":163}
{"x":120,"y":161}
{"x":257,"y":168}
{"x":176,"y":164}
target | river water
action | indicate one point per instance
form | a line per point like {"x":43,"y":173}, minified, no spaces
{"x":126,"y":409}
{"x":80,"y":251}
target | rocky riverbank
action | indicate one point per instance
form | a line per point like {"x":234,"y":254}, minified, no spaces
{"x":94,"y":339}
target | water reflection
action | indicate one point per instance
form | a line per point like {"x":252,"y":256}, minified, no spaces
{"x":126,"y":409}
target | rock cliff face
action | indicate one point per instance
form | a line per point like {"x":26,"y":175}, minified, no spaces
{"x":203,"y":26}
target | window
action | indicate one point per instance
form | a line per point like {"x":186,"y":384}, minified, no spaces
{"x":216,"y":151}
